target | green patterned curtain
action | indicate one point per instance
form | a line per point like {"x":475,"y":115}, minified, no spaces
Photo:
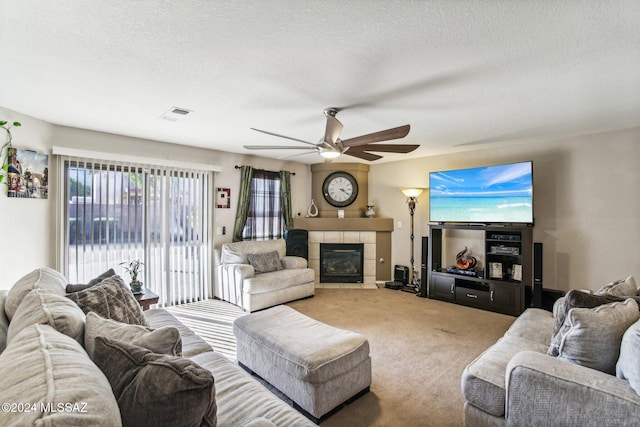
{"x":285,"y":198}
{"x":244,"y":196}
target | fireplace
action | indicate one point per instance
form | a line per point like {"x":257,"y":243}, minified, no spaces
{"x":341,"y":262}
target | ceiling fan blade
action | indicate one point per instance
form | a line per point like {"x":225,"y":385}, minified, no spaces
{"x":332,"y":131}
{"x":387,"y":148}
{"x":362,"y":155}
{"x":383,"y":135}
{"x":283,"y":136}
{"x":277,"y":147}
{"x":295,"y":155}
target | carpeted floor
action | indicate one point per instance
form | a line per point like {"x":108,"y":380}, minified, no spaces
{"x":346,"y":286}
{"x":419,"y":348}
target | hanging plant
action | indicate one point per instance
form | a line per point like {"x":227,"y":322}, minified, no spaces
{"x":7,"y":148}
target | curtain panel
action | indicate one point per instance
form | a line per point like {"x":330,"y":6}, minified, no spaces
{"x":285,"y":197}
{"x":244,"y":198}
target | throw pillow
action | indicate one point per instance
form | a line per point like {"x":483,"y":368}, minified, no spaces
{"x":592,"y":337}
{"x":573,"y":299}
{"x":165,"y":340}
{"x":75,"y":288}
{"x":40,"y":278}
{"x":628,"y":367}
{"x":154,"y":389}
{"x":111,"y":299}
{"x":44,"y":307}
{"x":49,"y":369}
{"x":266,"y":262}
{"x":620,"y":288}
{"x":4,"y":322}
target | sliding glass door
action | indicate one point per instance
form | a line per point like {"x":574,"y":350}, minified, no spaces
{"x":115,"y":213}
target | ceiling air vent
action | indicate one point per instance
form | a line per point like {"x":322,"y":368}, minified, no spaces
{"x":175,"y":114}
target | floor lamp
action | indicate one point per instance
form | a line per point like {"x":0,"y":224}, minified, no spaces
{"x":412,"y":194}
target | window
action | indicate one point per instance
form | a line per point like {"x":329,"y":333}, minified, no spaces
{"x":115,"y":212}
{"x":264,"y":219}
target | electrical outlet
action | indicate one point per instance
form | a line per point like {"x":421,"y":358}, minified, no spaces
{"x":399,"y":224}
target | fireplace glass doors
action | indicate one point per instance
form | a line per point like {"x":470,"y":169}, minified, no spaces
{"x":341,"y":262}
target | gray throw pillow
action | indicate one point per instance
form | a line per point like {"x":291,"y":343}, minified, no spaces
{"x":266,"y":262}
{"x":154,"y":389}
{"x":628,"y":367}
{"x":573,"y":299}
{"x":592,"y":337}
{"x":620,"y":288}
{"x":46,"y":308}
{"x":4,"y":322}
{"x":164,"y":340}
{"x":75,"y":288}
{"x":111,"y":299}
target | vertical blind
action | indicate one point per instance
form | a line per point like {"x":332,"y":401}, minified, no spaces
{"x":115,"y":212}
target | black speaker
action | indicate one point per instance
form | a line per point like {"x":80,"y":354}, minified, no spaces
{"x":297,"y":243}
{"x":537,"y":275}
{"x":401,"y":274}
{"x":423,"y":267}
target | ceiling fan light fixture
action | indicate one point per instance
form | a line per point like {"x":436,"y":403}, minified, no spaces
{"x":330,"y":154}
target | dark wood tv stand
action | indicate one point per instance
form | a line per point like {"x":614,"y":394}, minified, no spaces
{"x":490,"y":289}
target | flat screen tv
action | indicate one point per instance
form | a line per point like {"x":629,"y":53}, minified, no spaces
{"x":485,"y":195}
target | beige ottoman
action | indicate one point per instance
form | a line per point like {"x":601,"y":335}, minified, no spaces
{"x":317,"y":366}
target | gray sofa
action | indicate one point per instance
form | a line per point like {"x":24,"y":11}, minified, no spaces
{"x":516,"y":383}
{"x":243,"y":280}
{"x":44,"y":363}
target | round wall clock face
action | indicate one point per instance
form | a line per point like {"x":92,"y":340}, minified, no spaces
{"x":340,"y":189}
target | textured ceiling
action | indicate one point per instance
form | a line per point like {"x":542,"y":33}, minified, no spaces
{"x":461,"y":73}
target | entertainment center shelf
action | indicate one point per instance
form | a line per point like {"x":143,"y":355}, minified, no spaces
{"x":503,"y":271}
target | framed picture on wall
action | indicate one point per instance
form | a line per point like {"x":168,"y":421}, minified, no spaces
{"x":28,"y":174}
{"x":223,"y":198}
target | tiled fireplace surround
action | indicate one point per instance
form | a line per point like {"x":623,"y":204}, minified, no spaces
{"x":366,"y":237}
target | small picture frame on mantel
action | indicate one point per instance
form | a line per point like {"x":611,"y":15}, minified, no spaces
{"x":495,"y":270}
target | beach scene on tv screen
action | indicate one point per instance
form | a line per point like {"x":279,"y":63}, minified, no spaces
{"x":491,"y":194}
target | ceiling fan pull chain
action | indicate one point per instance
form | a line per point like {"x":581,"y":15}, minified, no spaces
{"x":313,"y":210}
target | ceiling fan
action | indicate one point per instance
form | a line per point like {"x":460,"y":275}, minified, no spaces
{"x":331,"y":146}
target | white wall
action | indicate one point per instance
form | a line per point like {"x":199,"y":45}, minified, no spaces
{"x":586,"y":203}
{"x":29,"y":226}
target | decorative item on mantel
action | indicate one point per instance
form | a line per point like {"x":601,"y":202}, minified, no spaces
{"x":370,"y":213}
{"x":412,"y":194}
{"x":133,"y":268}
{"x":313,"y":210}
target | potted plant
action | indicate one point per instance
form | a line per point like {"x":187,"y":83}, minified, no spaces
{"x":6,"y":146}
{"x":133,"y":268}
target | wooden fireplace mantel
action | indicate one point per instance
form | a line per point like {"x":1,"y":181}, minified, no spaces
{"x":344,"y":224}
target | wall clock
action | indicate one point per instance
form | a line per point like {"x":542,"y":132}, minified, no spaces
{"x":340,"y":189}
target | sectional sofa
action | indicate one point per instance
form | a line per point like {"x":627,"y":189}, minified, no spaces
{"x":65,"y":360}
{"x":577,"y":366}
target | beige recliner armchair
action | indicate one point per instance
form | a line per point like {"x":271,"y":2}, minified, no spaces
{"x":258,"y":274}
